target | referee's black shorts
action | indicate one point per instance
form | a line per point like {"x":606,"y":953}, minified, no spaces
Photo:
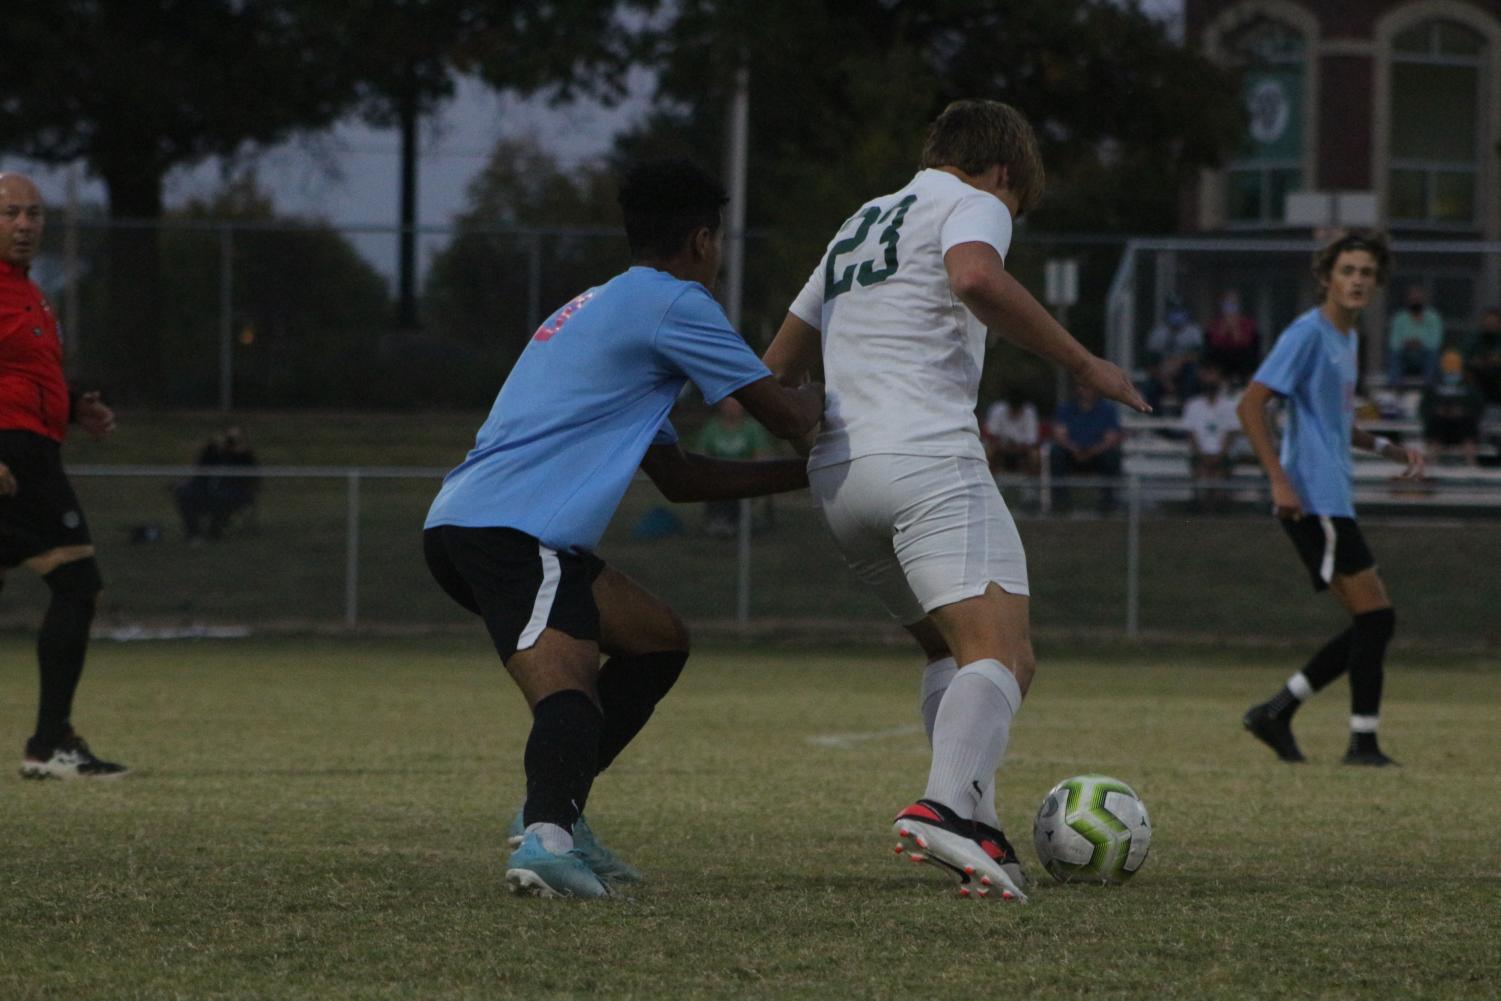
{"x":44,"y":514}
{"x":1329,"y":546}
{"x":515,"y":583}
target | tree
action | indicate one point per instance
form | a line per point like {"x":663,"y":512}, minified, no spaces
{"x":409,"y":51}
{"x":135,"y":89}
{"x":841,"y":93}
{"x":481,"y":287}
{"x":305,"y":303}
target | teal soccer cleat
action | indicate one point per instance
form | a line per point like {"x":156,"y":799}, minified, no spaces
{"x":605,"y":863}
{"x":536,"y":872}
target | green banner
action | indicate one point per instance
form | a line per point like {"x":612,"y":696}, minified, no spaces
{"x":1274,"y":101}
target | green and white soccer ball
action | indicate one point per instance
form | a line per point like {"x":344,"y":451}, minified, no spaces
{"x":1092,"y":829}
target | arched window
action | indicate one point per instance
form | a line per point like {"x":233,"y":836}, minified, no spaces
{"x":1437,"y":70}
{"x":1273,"y":57}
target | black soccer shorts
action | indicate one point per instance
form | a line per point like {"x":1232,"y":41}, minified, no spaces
{"x":44,"y":514}
{"x":515,"y":583}
{"x":1329,"y":546}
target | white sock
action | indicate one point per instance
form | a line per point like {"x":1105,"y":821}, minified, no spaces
{"x":553,"y":838}
{"x":1300,"y":687}
{"x":970,"y":733}
{"x":1364,"y":724}
{"x":936,"y":679}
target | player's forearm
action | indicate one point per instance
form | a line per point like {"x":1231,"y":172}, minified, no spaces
{"x":1258,"y":433}
{"x":703,"y":478}
{"x":1004,"y":305}
{"x":1377,"y":445}
{"x":787,"y":412}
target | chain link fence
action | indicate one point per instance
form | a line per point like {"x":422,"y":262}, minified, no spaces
{"x":335,"y":547}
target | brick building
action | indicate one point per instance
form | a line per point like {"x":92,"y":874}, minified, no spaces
{"x":1395,"y":103}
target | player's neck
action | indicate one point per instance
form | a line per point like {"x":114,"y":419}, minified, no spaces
{"x":1339,"y":317}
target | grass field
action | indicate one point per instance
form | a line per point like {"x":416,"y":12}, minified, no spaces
{"x":321,"y":818}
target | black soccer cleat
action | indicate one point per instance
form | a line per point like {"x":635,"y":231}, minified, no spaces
{"x":70,"y":758}
{"x":1274,"y":730}
{"x":1372,"y":757}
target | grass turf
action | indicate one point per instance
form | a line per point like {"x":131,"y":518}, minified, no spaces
{"x":322,"y":818}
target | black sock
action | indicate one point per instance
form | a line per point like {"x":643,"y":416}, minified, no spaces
{"x":1330,"y":662}
{"x":1323,"y":667}
{"x":1370,"y":635}
{"x":1363,"y":741}
{"x":61,"y":646}
{"x":561,"y":756}
{"x":629,"y":690}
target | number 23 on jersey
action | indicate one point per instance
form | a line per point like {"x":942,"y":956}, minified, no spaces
{"x":837,"y":279}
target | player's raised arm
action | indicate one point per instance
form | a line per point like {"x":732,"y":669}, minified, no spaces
{"x":684,"y":477}
{"x":1252,"y":413}
{"x":980,"y":280}
{"x":787,"y":412}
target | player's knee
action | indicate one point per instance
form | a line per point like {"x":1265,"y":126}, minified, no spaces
{"x":77,"y":581}
{"x":674,"y":634}
{"x":1023,"y":665}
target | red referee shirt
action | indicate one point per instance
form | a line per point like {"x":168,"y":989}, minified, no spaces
{"x":33,"y":391}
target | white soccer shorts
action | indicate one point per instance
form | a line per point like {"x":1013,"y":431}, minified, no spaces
{"x":922,"y":531}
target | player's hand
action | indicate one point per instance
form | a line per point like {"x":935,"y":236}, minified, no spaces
{"x":1285,"y":501}
{"x":1413,"y":458}
{"x":1111,"y":382}
{"x":8,"y":485}
{"x":96,"y":419}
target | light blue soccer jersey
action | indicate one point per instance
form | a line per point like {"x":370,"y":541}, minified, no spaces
{"x":587,"y":397}
{"x":1313,"y":365}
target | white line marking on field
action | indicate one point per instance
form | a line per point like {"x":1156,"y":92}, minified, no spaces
{"x":847,"y":740}
{"x":126,"y":634}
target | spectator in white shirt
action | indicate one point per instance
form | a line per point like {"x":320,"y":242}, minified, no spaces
{"x":1211,"y":423}
{"x":1011,"y":438}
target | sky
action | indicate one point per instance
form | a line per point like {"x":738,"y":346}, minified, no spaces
{"x":349,"y":175}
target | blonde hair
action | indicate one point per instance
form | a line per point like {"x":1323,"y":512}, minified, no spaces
{"x":977,"y":135}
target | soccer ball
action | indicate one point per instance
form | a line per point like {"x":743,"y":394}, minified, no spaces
{"x":1092,"y":829}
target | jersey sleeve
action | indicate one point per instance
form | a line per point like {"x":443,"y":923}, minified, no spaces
{"x":1287,"y":364}
{"x":978,"y":218}
{"x":666,"y":433}
{"x":696,"y":338}
{"x":808,"y":306}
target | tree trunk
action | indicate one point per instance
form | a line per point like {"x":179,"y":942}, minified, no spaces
{"x":130,"y":350}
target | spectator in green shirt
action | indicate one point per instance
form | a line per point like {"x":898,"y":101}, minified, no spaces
{"x":1414,"y":340}
{"x":730,"y":434}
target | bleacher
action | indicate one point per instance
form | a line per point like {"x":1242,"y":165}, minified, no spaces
{"x":1157,"y":448}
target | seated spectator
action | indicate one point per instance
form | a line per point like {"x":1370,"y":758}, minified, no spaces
{"x":207,"y":502}
{"x":1211,"y":423}
{"x":1086,"y":442}
{"x":730,"y":434}
{"x":1414,"y":340}
{"x":1231,"y":341}
{"x":1172,"y":355}
{"x":1010,"y":435}
{"x":1451,"y":410}
{"x":1483,"y":356}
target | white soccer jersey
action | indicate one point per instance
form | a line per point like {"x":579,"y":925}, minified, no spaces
{"x":901,"y":354}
